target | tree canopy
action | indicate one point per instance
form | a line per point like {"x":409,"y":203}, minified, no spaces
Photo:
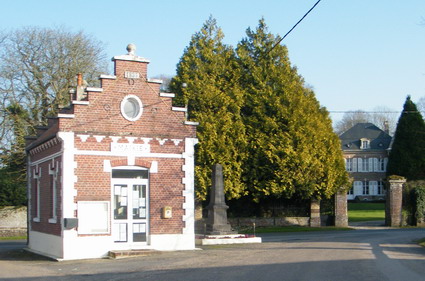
{"x":256,"y":118}
{"x":38,"y":66}
{"x":207,"y":81}
{"x":407,"y":155}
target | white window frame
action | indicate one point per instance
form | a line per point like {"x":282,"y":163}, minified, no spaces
{"x":37,"y":176}
{"x":364,"y":143}
{"x":366,"y":188}
{"x":53,"y":172}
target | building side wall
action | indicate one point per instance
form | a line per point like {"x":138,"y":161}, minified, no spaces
{"x":45,"y":174}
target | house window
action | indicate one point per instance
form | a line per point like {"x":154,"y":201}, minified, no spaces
{"x":380,"y":187}
{"x":365,"y":165}
{"x":365,"y":188}
{"x":351,"y":191}
{"x":349,"y":164}
{"x":53,"y":172}
{"x":36,"y":201}
{"x":364,"y":144}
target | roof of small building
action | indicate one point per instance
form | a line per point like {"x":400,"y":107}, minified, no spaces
{"x":351,"y":139}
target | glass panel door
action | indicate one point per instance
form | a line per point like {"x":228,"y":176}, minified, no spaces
{"x":130,"y":210}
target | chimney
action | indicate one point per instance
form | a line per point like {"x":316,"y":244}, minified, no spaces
{"x":81,"y":93}
{"x":386,"y":127}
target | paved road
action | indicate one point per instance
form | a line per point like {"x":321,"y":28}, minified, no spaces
{"x":365,"y":254}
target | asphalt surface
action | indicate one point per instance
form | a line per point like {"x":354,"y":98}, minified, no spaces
{"x":363,"y":254}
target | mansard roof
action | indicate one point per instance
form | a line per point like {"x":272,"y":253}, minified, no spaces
{"x":351,"y":139}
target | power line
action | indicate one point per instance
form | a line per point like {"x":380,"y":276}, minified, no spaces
{"x":278,"y":42}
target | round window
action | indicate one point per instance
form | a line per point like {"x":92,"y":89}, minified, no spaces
{"x":131,"y":108}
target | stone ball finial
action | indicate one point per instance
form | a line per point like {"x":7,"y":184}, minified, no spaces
{"x":131,"y":48}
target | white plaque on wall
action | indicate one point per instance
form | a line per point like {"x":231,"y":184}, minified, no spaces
{"x":130,"y":148}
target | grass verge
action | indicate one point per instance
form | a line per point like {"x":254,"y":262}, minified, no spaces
{"x":358,"y":212}
{"x":14,"y":238}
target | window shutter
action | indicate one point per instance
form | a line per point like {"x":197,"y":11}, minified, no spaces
{"x":371,"y":161}
{"x":373,"y":186}
{"x":360,"y":164}
{"x":385,"y":164}
{"x":354,"y":164}
{"x":375,"y":165}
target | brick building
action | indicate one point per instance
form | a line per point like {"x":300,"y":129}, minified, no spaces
{"x":365,"y":148}
{"x":114,"y":170}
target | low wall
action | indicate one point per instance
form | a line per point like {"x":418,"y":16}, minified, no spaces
{"x":13,"y":221}
{"x":240,"y":223}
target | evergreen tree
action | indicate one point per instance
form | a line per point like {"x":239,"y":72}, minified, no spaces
{"x":292,"y":147}
{"x":207,"y":82}
{"x":407,"y":155}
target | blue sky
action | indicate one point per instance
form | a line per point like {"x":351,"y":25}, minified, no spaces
{"x":356,"y":54}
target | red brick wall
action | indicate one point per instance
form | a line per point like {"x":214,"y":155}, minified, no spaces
{"x":45,"y":184}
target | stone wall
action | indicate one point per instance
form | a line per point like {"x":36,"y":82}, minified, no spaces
{"x":243,"y":223}
{"x":13,"y":221}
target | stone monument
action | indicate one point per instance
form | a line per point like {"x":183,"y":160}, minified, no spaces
{"x":217,"y":223}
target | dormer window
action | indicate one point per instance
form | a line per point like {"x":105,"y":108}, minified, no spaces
{"x":364,"y":143}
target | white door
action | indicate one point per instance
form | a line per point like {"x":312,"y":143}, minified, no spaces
{"x":130,"y":210}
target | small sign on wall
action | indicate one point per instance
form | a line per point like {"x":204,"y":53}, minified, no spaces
{"x":93,"y":217}
{"x":167,"y":212}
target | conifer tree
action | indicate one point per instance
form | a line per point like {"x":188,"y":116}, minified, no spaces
{"x":292,"y":147}
{"x":407,"y":155}
{"x":207,"y":82}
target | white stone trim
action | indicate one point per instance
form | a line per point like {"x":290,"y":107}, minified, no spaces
{"x":83,"y":137}
{"x":106,"y":76}
{"x":158,"y":81}
{"x":146,"y":140}
{"x":69,"y":116}
{"x":99,"y":138}
{"x":54,"y":168}
{"x":50,"y":157}
{"x":191,"y":123}
{"x":176,"y":141}
{"x":130,"y":58}
{"x":161,"y":141}
{"x":37,"y":174}
{"x":172,"y":242}
{"x":189,"y":186}
{"x":154,"y":167}
{"x":109,"y":153}
{"x":68,"y":176}
{"x":115,"y":139}
{"x":131,"y":139}
{"x":80,"y":102}
{"x":94,"y":89}
{"x":182,"y":109}
{"x":167,"y":95}
{"x":107,"y":168}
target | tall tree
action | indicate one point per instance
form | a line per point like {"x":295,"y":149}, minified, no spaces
{"x":407,"y":155}
{"x":207,"y":82}
{"x":292,"y":147}
{"x":38,"y":66}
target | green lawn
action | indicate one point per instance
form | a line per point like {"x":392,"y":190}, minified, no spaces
{"x":366,"y":212}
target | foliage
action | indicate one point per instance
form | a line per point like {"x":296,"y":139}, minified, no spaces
{"x":206,"y":81}
{"x":414,"y":201}
{"x":256,"y":118}
{"x":292,"y":148}
{"x":407,"y":155}
{"x":37,"y":68}
{"x":381,"y":117}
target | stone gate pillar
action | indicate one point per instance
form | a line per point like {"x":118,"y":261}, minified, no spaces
{"x":393,"y":205}
{"x":341,"y":215}
{"x":315,"y":213}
